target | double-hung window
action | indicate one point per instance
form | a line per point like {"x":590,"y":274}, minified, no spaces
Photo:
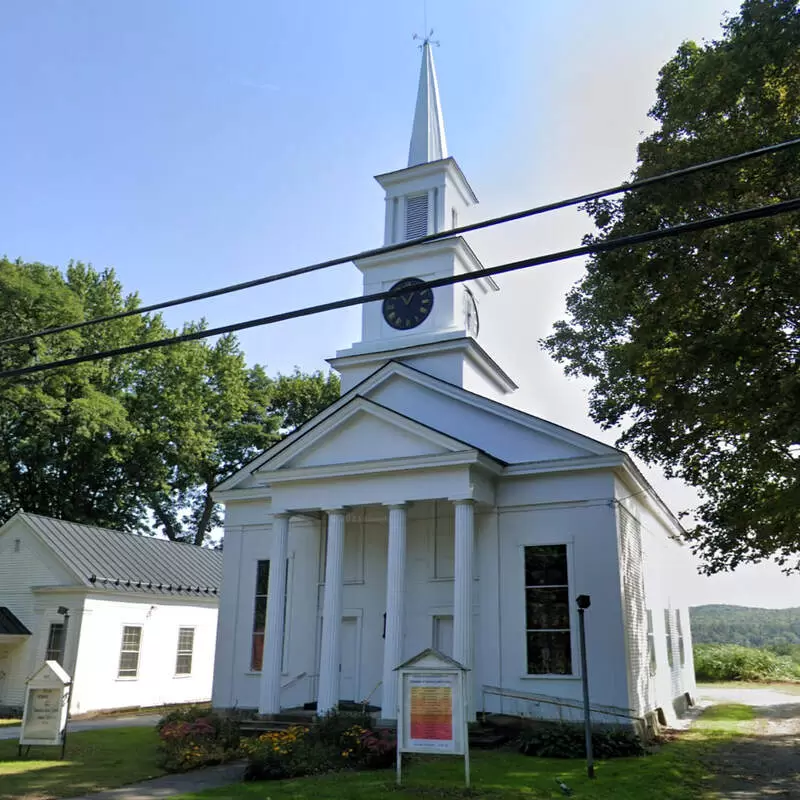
{"x":679,"y":631}
{"x":129,"y":651}
{"x":183,"y":661}
{"x":56,"y":642}
{"x":547,"y":611}
{"x":651,"y":643}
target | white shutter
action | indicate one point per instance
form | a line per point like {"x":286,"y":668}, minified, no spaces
{"x":416,"y":216}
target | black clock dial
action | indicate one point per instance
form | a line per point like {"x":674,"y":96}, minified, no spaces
{"x":409,"y":308}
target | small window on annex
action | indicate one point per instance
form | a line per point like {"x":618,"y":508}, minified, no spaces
{"x":129,"y":651}
{"x":547,"y":623}
{"x":56,"y":643}
{"x":183,"y":661}
{"x":259,"y":616}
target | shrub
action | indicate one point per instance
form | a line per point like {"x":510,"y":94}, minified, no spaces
{"x":731,"y":662}
{"x":567,"y":740}
{"x":195,"y":737}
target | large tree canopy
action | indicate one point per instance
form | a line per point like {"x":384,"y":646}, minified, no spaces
{"x":692,"y":343}
{"x":134,"y":442}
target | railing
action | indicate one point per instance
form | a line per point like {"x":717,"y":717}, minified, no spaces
{"x":293,"y":681}
{"x":365,"y":701}
{"x":529,"y":704}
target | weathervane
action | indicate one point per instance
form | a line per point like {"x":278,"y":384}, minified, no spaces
{"x":426,"y":39}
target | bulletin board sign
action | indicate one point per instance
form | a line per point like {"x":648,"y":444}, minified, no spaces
{"x":44,"y":718}
{"x":432,"y":716}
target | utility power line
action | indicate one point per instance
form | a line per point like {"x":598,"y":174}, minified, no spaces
{"x":335,"y":262}
{"x":708,"y":223}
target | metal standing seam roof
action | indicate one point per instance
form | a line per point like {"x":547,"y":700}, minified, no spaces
{"x":108,"y":559}
{"x":10,"y":625}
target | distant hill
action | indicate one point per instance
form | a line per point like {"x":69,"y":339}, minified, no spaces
{"x":752,"y":627}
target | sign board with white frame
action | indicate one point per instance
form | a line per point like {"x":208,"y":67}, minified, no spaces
{"x":44,"y":718}
{"x":432,"y":708}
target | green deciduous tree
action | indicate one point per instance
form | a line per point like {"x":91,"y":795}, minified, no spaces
{"x":134,"y":442}
{"x":692,"y":343}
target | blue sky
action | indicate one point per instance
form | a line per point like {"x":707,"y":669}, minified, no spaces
{"x":190,"y":144}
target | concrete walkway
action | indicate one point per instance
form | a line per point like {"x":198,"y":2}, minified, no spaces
{"x":171,"y":785}
{"x":128,"y":721}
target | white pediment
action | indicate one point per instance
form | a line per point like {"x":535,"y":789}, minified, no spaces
{"x":428,"y":413}
{"x":363,"y":431}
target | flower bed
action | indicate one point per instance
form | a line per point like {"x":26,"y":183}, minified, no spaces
{"x":334,"y":742}
{"x":196,"y":737}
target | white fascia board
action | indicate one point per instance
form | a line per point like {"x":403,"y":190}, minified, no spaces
{"x":389,"y":180}
{"x":450,"y":245}
{"x":565,"y":465}
{"x":250,"y":493}
{"x":630,"y":474}
{"x":68,"y":589}
{"x":80,"y":580}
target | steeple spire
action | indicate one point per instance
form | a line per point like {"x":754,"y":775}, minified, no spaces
{"x":427,"y":135}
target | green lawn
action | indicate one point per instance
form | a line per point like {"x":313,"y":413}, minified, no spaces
{"x":676,"y":772}
{"x":6,"y":721}
{"x":95,"y":760}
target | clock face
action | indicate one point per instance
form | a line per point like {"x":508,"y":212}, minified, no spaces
{"x":409,"y":308}
{"x":471,"y":323}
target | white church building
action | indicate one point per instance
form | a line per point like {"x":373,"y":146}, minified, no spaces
{"x":420,"y":510}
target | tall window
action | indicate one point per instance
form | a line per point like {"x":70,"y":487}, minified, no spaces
{"x":259,"y":616}
{"x":651,"y":643}
{"x":183,"y":662}
{"x":679,"y":630}
{"x":547,"y":627}
{"x":56,"y":642}
{"x":668,"y":634}
{"x":129,"y":652}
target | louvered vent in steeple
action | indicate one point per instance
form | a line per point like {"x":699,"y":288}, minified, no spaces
{"x":416,"y":216}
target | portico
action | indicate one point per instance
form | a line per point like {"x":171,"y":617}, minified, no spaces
{"x":456,"y":485}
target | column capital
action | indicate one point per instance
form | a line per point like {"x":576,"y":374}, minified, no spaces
{"x":463,"y":501}
{"x":336,"y":510}
{"x":281,"y":514}
{"x":392,"y":506}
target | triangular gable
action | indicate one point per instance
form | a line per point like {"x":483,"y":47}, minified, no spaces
{"x":572,"y":444}
{"x":360,"y":431}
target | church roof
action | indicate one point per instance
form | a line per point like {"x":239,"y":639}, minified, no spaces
{"x":10,"y":625}
{"x":428,"y":142}
{"x":106,"y":559}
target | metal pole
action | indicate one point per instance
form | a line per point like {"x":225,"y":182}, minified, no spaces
{"x":587,"y":715}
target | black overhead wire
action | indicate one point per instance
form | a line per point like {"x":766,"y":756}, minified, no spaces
{"x":759,"y":212}
{"x":335,"y":262}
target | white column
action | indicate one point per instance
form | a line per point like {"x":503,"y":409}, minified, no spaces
{"x":395,"y":589}
{"x":330,"y":657}
{"x":462,"y":589}
{"x":270,"y":700}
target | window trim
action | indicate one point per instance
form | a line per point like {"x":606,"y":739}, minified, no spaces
{"x":255,"y":597}
{"x":63,"y":649}
{"x":652,"y":657}
{"x":680,"y":636}
{"x":179,"y":652}
{"x":668,"y":637}
{"x":573,"y":612}
{"x":138,"y":652}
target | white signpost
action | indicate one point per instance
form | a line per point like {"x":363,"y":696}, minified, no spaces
{"x":432,"y":708}
{"x":44,"y":719}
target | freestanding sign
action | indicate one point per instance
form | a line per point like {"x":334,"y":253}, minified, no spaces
{"x":432,"y":713}
{"x":44,"y":719}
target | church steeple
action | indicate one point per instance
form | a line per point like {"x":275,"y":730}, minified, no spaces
{"x":434,"y":330}
{"x":428,"y":142}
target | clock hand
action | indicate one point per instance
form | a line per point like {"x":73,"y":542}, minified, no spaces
{"x":407,"y":298}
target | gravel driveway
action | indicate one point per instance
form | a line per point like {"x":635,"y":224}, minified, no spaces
{"x":767,"y":763}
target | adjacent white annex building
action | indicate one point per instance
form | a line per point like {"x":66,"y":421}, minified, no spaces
{"x":133,"y":619}
{"x":420,"y":511}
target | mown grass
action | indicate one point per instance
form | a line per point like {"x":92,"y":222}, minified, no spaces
{"x":677,"y":771}
{"x":94,"y":761}
{"x":787,"y":687}
{"x":5,"y":721}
